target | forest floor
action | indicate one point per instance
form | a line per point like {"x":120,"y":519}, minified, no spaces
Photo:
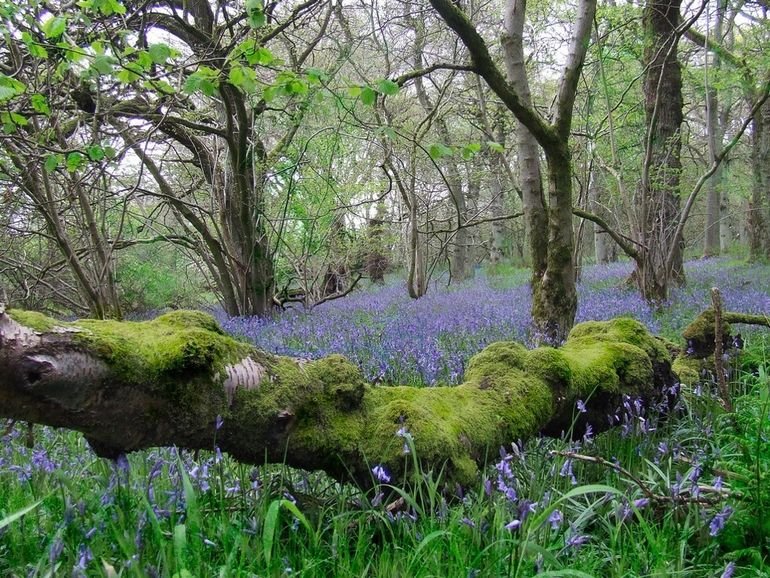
{"x":682,"y":496}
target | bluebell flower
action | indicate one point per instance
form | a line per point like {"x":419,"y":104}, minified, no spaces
{"x":718,"y":522}
{"x":380,"y":474}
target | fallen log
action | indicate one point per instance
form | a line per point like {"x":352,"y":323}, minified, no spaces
{"x":179,"y":380}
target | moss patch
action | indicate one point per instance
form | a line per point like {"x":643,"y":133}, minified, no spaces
{"x":34,"y":320}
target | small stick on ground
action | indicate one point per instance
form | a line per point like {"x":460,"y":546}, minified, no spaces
{"x":719,"y":367}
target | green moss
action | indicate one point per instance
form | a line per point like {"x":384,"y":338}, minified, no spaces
{"x":551,"y":366}
{"x":343,"y":382}
{"x":701,"y":327}
{"x":164,"y":349}
{"x":34,"y":320}
{"x":688,"y":369}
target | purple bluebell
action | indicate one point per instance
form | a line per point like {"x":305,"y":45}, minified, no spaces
{"x":380,"y":474}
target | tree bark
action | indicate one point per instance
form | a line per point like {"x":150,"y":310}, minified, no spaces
{"x":129,"y":386}
{"x":659,"y":203}
{"x":532,"y":195}
{"x":712,"y":245}
{"x":759,"y":207}
{"x":605,"y":249}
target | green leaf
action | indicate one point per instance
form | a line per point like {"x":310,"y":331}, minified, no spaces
{"x":9,"y":519}
{"x":15,"y":118}
{"x":296,"y":86}
{"x":75,"y":161}
{"x":200,"y":83}
{"x":244,"y":78}
{"x":159,"y":53}
{"x":54,"y":27}
{"x":316,"y":75}
{"x":268,"y":530}
{"x":269,"y":93}
{"x":256,"y":11}
{"x":52,"y":162}
{"x":470,"y":150}
{"x":388,"y":87}
{"x":10,"y":87}
{"x":180,"y":541}
{"x":541,"y":518}
{"x":72,"y":52}
{"x":254,"y":53}
{"x":95,"y":153}
{"x":103,"y":63}
{"x":35,"y":49}
{"x":496,"y":147}
{"x":439,"y":151}
{"x":144,"y":61}
{"x":354,"y":91}
{"x":114,"y":7}
{"x":129,"y":73}
{"x":40,"y":104}
{"x":389,"y":132}
{"x":435,"y":535}
{"x":368,"y":96}
{"x":292,"y":507}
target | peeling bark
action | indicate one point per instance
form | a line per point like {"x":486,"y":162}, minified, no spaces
{"x":129,"y":386}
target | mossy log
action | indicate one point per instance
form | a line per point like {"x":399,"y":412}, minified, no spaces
{"x":129,"y":386}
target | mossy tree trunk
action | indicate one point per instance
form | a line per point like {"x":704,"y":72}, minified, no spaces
{"x":129,"y":386}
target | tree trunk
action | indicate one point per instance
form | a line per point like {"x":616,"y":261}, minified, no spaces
{"x":553,"y":282}
{"x":376,"y":257}
{"x":497,"y":204}
{"x":532,"y":196}
{"x":712,"y":245}
{"x":605,"y":249}
{"x":129,"y":386}
{"x":711,"y":242}
{"x":554,"y":298}
{"x":759,"y":207}
{"x":659,"y":214}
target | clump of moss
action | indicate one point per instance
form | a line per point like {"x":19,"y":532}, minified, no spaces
{"x":167,"y":348}
{"x":509,"y":354}
{"x":688,"y":369}
{"x":343,"y":382}
{"x":34,"y":320}
{"x":551,"y":366}
{"x":700,"y":335}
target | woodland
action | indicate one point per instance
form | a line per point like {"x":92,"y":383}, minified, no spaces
{"x":384,"y":288}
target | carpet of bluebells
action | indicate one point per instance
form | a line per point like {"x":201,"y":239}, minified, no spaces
{"x":687,"y":495}
{"x":395,"y":339}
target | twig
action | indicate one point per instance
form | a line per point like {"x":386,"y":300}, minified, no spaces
{"x":716,"y":299}
{"x":682,"y":497}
